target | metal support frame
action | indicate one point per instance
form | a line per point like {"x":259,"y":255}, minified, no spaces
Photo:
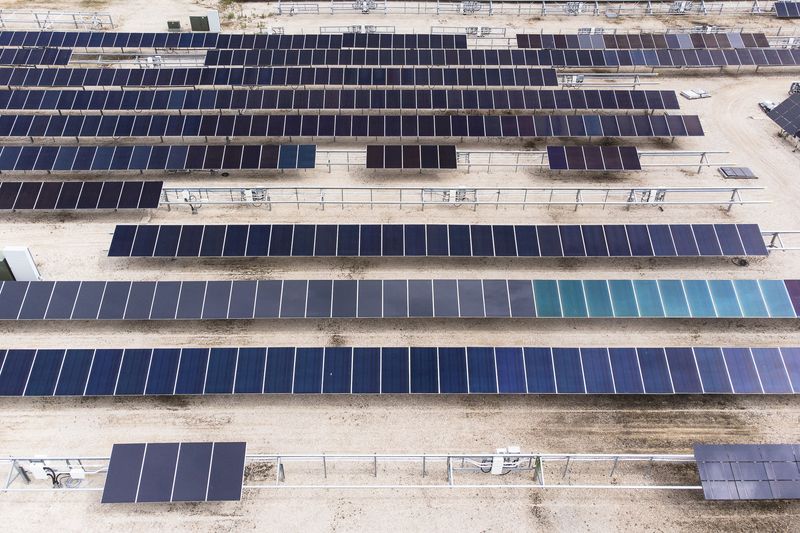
{"x":490,"y":470}
{"x":782,"y":240}
{"x":599,"y":8}
{"x":455,"y":196}
{"x":48,"y":20}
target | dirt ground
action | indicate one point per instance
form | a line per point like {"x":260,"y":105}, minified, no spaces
{"x":74,"y":246}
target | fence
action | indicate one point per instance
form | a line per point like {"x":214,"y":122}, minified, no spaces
{"x":47,"y":20}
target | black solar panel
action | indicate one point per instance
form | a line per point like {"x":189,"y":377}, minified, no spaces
{"x":410,"y":156}
{"x":437,"y":240}
{"x":661,"y":58}
{"x":294,"y":125}
{"x":68,"y":195}
{"x":283,"y":76}
{"x":34,"y":56}
{"x":749,"y":471}
{"x":175,"y":472}
{"x":376,"y":370}
{"x":333,"y":99}
{"x":642,"y":40}
{"x":228,"y":40}
{"x":593,"y":158}
{"x":787,"y":115}
{"x":159,"y":157}
{"x":787,"y":10}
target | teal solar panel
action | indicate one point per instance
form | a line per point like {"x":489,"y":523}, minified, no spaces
{"x":573,"y":301}
{"x":750,"y":298}
{"x":546,"y":297}
{"x":623,"y":298}
{"x":777,"y":298}
{"x":674,"y":299}
{"x":598,"y":298}
{"x":700,"y":302}
{"x":648,"y":297}
{"x":725,"y":301}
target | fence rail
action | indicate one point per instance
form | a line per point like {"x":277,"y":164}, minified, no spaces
{"x":453,"y":197}
{"x":47,"y":20}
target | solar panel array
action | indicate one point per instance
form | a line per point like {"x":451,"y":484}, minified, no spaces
{"x":281,"y":76}
{"x":293,"y":125}
{"x":400,"y":370}
{"x":787,"y":10}
{"x":664,"y":58}
{"x":642,"y":40}
{"x":34,"y":56}
{"x":749,"y":471}
{"x":428,"y":156}
{"x":593,"y":158}
{"x":333,"y":99}
{"x":787,"y":115}
{"x":89,"y":39}
{"x":465,"y":298}
{"x":26,"y":195}
{"x":437,"y":240}
{"x":175,"y":472}
{"x":158,"y":157}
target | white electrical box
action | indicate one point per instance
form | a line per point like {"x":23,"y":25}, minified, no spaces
{"x":21,"y":263}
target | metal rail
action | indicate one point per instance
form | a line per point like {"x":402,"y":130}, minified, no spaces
{"x":783,"y":240}
{"x":455,"y":196}
{"x":502,"y":469}
{"x":609,"y":9}
{"x":47,"y":20}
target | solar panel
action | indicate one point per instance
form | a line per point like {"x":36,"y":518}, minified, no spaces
{"x":159,"y":157}
{"x":293,"y":125}
{"x":69,"y":195}
{"x":334,"y":99}
{"x":787,"y":115}
{"x":282,"y":76}
{"x":436,"y":240}
{"x":201,"y":300}
{"x":34,"y":56}
{"x":399,"y":156}
{"x":749,"y":471}
{"x":653,"y":58}
{"x":175,"y":472}
{"x":228,"y":40}
{"x":642,"y":40}
{"x":787,"y":10}
{"x":376,"y":370}
{"x":601,"y":158}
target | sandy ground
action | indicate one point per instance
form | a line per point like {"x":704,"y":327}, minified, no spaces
{"x":74,"y":247}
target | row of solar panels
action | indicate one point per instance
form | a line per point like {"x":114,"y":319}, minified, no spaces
{"x":593,"y":158}
{"x":411,"y":156}
{"x":437,"y":240}
{"x":787,"y":10}
{"x":75,"y":39}
{"x":69,"y":195}
{"x":643,"y":40}
{"x":749,"y":472}
{"x":160,"y":157}
{"x":440,"y":298}
{"x":322,"y":126}
{"x":719,"y":57}
{"x":175,"y":472}
{"x":278,"y":76}
{"x":787,"y":115}
{"x":396,"y":370}
{"x":34,"y":56}
{"x":332,"y":99}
